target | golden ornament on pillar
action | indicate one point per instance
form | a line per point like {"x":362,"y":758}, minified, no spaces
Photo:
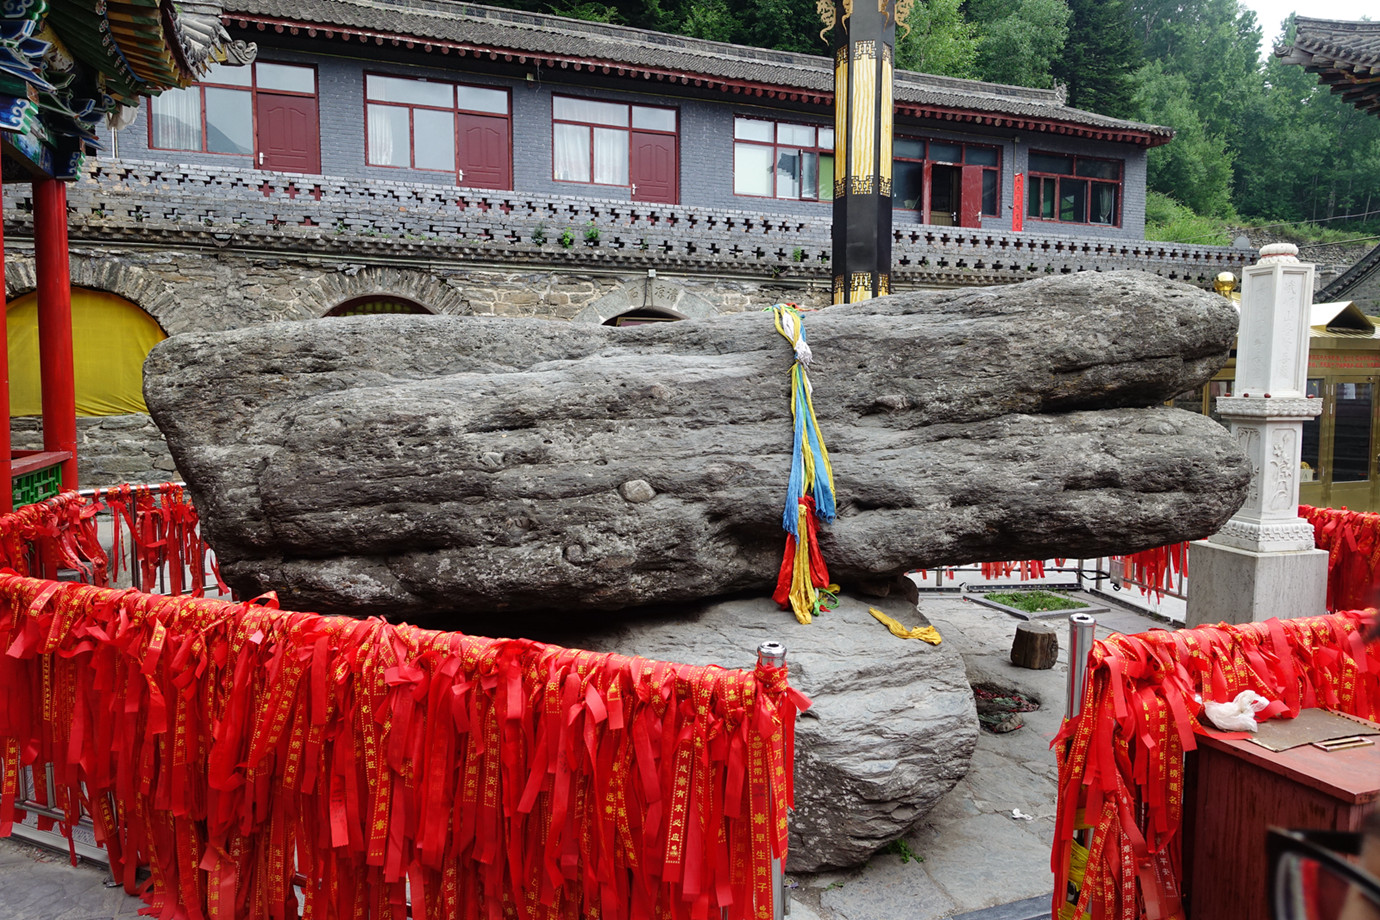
{"x":902,"y":13}
{"x":829,"y":15}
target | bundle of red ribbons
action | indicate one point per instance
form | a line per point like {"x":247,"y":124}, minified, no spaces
{"x":1352,"y":541}
{"x":1121,"y":758}
{"x":156,"y":533}
{"x":238,"y":750}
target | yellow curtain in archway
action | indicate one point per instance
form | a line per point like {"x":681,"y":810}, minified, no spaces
{"x":110,"y":339}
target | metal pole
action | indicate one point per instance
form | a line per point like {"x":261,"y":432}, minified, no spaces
{"x":773,"y":655}
{"x":1082,"y":631}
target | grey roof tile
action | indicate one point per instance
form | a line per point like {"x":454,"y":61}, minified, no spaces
{"x":540,"y":34}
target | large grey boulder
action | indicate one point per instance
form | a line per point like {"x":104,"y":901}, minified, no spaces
{"x":409,"y":466}
{"x":891,"y":730}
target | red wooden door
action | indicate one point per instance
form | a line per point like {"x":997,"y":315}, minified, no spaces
{"x":288,"y":134}
{"x":970,"y":198}
{"x":653,"y":169}
{"x":485,"y":152}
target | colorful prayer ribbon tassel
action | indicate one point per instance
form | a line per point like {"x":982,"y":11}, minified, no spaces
{"x":810,"y":492}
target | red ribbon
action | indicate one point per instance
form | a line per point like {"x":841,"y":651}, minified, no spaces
{"x":230,"y":747}
{"x":1121,"y":758}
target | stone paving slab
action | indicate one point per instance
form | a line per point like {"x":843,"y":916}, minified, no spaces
{"x":38,"y":884}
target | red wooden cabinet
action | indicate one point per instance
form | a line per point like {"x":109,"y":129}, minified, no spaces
{"x":1237,"y":789}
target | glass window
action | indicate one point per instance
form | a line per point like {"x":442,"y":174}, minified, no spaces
{"x":1310,"y":469}
{"x":285,"y":78}
{"x":570,"y":108}
{"x":591,"y":141}
{"x":1069,"y":195}
{"x":389,"y":136}
{"x":489,"y":101}
{"x":974,"y":155}
{"x":228,"y":75}
{"x":649,"y":119}
{"x":414,"y":92}
{"x":799,"y":162}
{"x":1099,"y":169}
{"x":989,"y":191}
{"x":433,"y":135}
{"x":1073,"y":200}
{"x":572,"y":153}
{"x":217,"y":114}
{"x":746,"y":129}
{"x":908,"y":149}
{"x":946,"y":153}
{"x":752,"y":170}
{"x":795,"y":135}
{"x":907,"y":175}
{"x":1351,"y":434}
{"x":1050,"y":163}
{"x":229,"y":121}
{"x":412,"y":125}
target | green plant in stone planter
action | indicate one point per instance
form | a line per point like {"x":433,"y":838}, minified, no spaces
{"x":539,"y":235}
{"x":567,"y":238}
{"x":591,"y":235}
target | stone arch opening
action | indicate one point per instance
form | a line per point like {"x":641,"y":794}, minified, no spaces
{"x":111,"y":337}
{"x":649,"y":299}
{"x":378,"y":305}
{"x":641,"y":316}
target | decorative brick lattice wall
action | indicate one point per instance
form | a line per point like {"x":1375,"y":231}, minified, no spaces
{"x":134,"y":202}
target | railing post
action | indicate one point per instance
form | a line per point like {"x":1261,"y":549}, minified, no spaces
{"x":1082,"y":631}
{"x":773,"y":655}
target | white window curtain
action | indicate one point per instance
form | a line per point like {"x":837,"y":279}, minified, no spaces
{"x":388,"y":136}
{"x":177,"y":119}
{"x":610,"y":156}
{"x":571,"y":153}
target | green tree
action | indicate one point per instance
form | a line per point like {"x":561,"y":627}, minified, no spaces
{"x":1099,"y":57}
{"x":710,"y":19}
{"x":1020,"y":39}
{"x":1195,"y":168}
{"x":939,"y":40}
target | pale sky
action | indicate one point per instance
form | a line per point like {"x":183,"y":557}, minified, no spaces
{"x":1270,"y":13}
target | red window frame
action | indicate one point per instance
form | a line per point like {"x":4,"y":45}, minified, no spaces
{"x":454,"y":110}
{"x":627,"y":127}
{"x":252,"y":90}
{"x":776,"y":145}
{"x":1040,"y":181}
{"x":992,"y":173}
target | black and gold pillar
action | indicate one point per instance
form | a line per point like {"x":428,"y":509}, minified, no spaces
{"x":863,"y":34}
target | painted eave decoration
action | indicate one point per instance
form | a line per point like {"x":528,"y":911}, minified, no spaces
{"x":1345,"y":56}
{"x":66,"y":64}
{"x":539,"y":41}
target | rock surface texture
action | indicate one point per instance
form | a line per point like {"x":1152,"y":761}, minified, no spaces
{"x":409,"y":466}
{"x":891,"y":730}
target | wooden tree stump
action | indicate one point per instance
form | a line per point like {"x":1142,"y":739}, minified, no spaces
{"x":1036,"y":646}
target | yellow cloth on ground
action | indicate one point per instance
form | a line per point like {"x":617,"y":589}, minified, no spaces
{"x":923,"y":633}
{"x":111,"y":337}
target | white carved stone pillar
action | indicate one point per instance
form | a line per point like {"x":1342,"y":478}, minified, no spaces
{"x":1263,"y":563}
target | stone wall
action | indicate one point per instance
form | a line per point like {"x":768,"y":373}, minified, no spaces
{"x":111,"y":450}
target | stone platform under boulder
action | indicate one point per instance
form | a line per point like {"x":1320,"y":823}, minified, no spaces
{"x":892,"y":727}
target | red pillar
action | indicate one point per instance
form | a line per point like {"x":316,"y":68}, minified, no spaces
{"x":55,"y":324}
{"x":6,"y":492}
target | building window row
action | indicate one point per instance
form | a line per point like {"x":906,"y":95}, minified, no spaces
{"x":269,"y":110}
{"x":1074,"y":189}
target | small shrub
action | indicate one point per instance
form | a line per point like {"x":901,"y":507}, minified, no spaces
{"x":539,"y":235}
{"x":567,"y":238}
{"x":591,"y":233}
{"x":899,"y":847}
{"x":1034,"y":601}
{"x":797,"y":254}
